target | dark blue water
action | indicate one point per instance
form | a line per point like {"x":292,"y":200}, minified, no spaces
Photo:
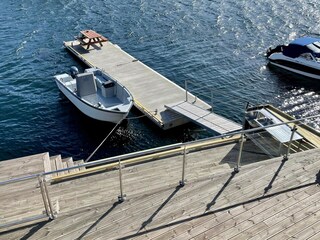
{"x":218,"y":45}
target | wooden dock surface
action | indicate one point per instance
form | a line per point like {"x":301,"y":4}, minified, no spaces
{"x":22,"y":166}
{"x":151,"y":91}
{"x":266,"y":199}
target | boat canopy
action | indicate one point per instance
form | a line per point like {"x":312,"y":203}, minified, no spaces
{"x":303,"y":41}
{"x":303,"y":45}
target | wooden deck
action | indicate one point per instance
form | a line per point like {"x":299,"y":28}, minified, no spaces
{"x":151,"y":91}
{"x":266,"y":199}
{"x":205,"y":118}
{"x":22,"y":166}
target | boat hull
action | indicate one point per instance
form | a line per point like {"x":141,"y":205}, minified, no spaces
{"x":297,"y":68}
{"x":301,"y":56}
{"x":89,"y":110}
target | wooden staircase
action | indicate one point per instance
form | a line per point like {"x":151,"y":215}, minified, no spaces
{"x":56,"y":163}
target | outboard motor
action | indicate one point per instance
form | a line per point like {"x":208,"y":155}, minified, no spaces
{"x":74,"y":71}
{"x":278,"y":48}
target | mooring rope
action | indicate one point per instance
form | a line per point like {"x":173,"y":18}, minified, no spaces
{"x":132,"y":118}
{"x":103,"y":141}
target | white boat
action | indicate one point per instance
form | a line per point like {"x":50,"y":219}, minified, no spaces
{"x":301,"y":56}
{"x":96,"y":94}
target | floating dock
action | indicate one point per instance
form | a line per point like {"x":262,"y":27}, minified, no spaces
{"x":151,"y":91}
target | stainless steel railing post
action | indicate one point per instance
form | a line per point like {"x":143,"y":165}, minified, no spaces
{"x":286,"y":155}
{"x":242,"y":140}
{"x":45,"y":203}
{"x":186,"y":87}
{"x":48,"y":197}
{"x":182,"y":181}
{"x":211,"y":101}
{"x":122,"y":196}
{"x":45,"y":197}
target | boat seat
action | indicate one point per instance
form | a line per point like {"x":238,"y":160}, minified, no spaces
{"x":86,"y":84}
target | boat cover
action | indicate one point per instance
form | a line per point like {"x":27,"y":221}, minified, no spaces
{"x":303,"y":41}
{"x":302,"y":45}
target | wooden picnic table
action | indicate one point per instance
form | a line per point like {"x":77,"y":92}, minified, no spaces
{"x":90,"y":37}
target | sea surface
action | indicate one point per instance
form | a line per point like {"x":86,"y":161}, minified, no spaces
{"x":218,"y":46}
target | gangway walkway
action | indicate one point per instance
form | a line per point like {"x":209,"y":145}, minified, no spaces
{"x":205,"y":118}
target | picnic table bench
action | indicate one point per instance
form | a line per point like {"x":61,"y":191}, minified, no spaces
{"x":90,"y":37}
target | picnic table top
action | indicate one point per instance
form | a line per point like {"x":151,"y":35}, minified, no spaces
{"x":90,"y":34}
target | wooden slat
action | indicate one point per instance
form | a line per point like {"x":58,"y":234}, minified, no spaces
{"x":308,"y":230}
{"x":70,"y":163}
{"x":315,"y":236}
{"x":90,"y":34}
{"x":53,"y":165}
{"x":47,"y":167}
{"x":59,"y":164}
{"x":64,"y":165}
{"x":79,"y":162}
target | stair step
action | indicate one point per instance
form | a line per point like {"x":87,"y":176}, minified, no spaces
{"x":70,"y":163}
{"x":59,"y":164}
{"x":54,"y":165}
{"x":64,"y":165}
{"x":79,"y":162}
{"x":47,"y":167}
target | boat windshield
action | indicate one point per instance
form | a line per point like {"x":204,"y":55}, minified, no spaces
{"x":315,"y":49}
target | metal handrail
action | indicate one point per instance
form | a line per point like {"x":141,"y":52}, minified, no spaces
{"x":20,"y":179}
{"x":153,"y":150}
{"x":44,"y":190}
{"x":174,"y":146}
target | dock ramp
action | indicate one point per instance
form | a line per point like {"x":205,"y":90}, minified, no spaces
{"x":204,"y":118}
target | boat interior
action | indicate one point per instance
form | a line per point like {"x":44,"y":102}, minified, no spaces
{"x":95,"y":88}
